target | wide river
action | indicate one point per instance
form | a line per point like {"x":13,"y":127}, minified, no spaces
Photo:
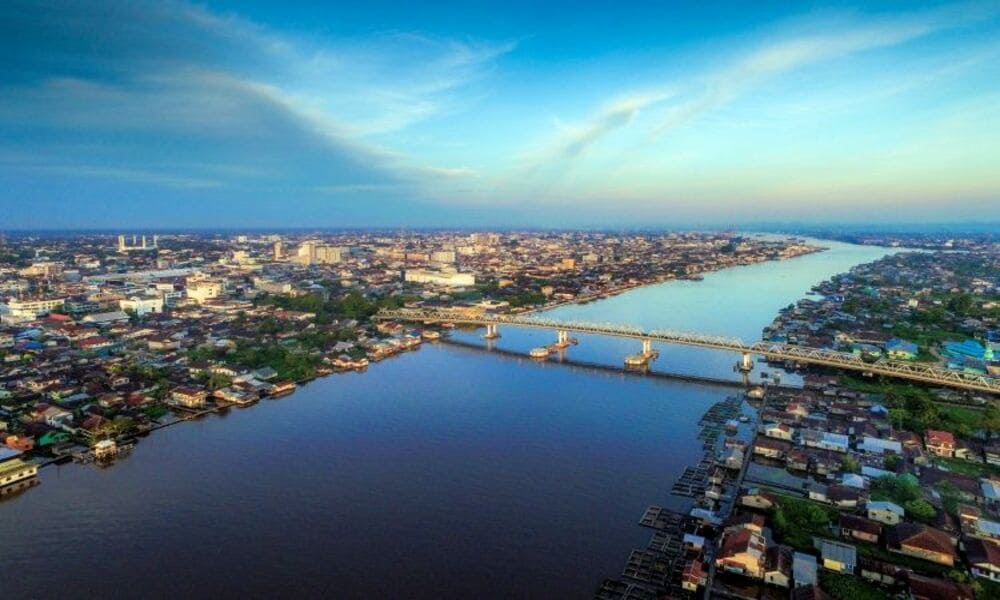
{"x":447,"y":472}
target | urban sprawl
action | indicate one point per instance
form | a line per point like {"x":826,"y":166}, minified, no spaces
{"x":844,"y":487}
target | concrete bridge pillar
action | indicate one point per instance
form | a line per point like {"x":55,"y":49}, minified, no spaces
{"x":491,"y":331}
{"x":746,"y":362}
{"x":647,"y":347}
{"x":562,"y":338}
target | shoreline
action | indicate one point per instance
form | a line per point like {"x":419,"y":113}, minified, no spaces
{"x":694,"y":379}
{"x":657,"y":281}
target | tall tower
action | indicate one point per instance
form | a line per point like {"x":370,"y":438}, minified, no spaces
{"x":121,"y":243}
{"x":279,"y":250}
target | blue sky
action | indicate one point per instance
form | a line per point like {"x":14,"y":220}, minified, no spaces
{"x":256,"y":114}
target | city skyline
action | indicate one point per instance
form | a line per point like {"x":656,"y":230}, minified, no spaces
{"x":252,"y":115}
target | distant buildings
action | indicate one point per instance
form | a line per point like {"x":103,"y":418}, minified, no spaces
{"x":136,"y":246}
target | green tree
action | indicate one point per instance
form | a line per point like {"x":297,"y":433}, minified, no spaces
{"x":950,"y":496}
{"x":215,"y":381}
{"x":850,"y":465}
{"x":961,"y":304}
{"x":920,"y":510}
{"x":898,"y":488}
{"x":892,"y":462}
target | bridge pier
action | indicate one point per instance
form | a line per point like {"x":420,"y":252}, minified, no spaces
{"x":562,"y":338}
{"x":746,"y":363}
{"x":772,"y":351}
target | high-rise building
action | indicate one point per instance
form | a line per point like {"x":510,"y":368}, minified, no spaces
{"x":279,"y":250}
{"x":443,"y":256}
{"x":328,"y":254}
{"x":124,"y":246}
{"x":315,"y":253}
{"x":203,"y":290}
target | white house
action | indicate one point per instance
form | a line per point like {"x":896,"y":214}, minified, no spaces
{"x":142,"y":305}
{"x":885,"y":512}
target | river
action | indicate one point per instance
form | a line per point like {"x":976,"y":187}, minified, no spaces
{"x":447,"y":472}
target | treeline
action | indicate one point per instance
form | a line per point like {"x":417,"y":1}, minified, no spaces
{"x":353,"y":305}
{"x":915,"y":408}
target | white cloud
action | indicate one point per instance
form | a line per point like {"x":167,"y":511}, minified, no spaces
{"x":175,"y":92}
{"x":584,"y":157}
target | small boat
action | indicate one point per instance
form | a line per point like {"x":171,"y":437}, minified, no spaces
{"x":744,"y":419}
{"x":430,"y":335}
{"x":636,"y":361}
{"x":539,"y":353}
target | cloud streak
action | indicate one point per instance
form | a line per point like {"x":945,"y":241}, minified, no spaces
{"x":616,"y":115}
{"x":711,"y":91}
{"x":783,"y":56}
{"x":177,"y":93}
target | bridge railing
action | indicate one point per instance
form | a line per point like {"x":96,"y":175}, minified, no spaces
{"x":790,"y":352}
{"x":771,"y":350}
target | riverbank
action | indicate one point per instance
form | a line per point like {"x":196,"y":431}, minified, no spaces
{"x":620,"y":292}
{"x":661,"y":279}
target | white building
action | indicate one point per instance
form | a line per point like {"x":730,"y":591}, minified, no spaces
{"x":42,"y":269}
{"x":19,"y":310}
{"x":879,"y":446}
{"x":203,"y":290}
{"x":271,"y":286}
{"x":443,"y":256}
{"x":124,"y":246}
{"x":449,"y":278}
{"x":142,"y":305}
{"x":13,"y":469}
{"x":316,"y":253}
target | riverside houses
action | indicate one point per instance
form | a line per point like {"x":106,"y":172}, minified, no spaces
{"x":983,"y":557}
{"x":189,"y":397}
{"x":14,"y":470}
{"x":921,"y":541}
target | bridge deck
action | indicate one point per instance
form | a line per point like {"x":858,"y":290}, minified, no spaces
{"x":772,"y":351}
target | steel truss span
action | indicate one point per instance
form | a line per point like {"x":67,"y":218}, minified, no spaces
{"x":769,"y":350}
